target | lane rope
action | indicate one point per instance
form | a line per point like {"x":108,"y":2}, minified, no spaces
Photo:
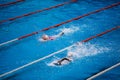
{"x":10,"y":3}
{"x":37,"y":11}
{"x":59,"y":51}
{"x":65,"y":22}
{"x":104,"y":71}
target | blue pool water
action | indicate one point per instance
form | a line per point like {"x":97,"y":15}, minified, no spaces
{"x":92,"y":57}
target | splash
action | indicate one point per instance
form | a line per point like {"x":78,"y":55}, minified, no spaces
{"x":52,"y":63}
{"x":88,"y":49}
{"x":82,"y":50}
{"x":70,"y":30}
{"x":54,"y":60}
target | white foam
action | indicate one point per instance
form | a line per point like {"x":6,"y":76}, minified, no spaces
{"x":83,"y":50}
{"x":87,"y":50}
{"x":69,"y":30}
{"x":52,"y":63}
{"x":54,"y":60}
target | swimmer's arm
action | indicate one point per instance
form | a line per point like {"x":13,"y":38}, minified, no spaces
{"x":58,"y":35}
{"x":61,"y":33}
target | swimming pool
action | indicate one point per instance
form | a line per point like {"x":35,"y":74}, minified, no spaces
{"x":94,"y":56}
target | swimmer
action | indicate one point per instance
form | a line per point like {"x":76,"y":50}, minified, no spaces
{"x":46,"y":37}
{"x":68,"y":58}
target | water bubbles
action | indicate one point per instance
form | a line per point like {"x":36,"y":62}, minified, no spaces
{"x":69,"y":30}
{"x":80,"y":51}
{"x":83,"y":50}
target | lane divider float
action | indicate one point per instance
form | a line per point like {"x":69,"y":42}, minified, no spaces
{"x":54,"y":53}
{"x":58,"y":25}
{"x":104,"y":71}
{"x":10,"y":3}
{"x":37,"y":11}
